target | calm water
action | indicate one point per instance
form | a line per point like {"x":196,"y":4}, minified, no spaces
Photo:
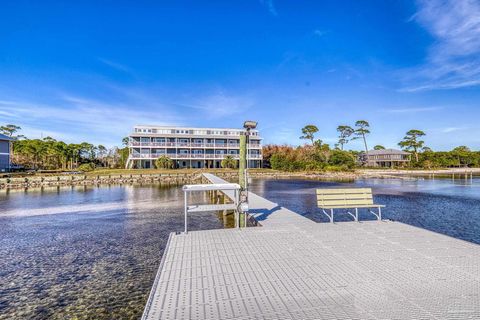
{"x":86,"y":253}
{"x":92,"y":253}
{"x":446,"y":206}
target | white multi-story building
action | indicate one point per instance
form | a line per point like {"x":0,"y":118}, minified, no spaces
{"x":190,"y":147}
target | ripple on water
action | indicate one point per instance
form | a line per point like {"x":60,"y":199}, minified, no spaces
{"x":100,"y":262}
{"x":96,"y":263}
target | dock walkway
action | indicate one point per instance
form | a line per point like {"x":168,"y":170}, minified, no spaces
{"x":294,"y":268}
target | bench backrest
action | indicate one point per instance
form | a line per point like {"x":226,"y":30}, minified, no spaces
{"x":344,"y":197}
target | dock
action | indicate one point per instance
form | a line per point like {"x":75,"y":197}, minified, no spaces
{"x":291,"y":267}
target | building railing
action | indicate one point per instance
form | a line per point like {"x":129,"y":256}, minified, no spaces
{"x":190,"y":156}
{"x":190,"y":145}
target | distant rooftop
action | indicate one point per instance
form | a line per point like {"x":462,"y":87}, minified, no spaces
{"x":4,"y":137}
{"x":387,"y":151}
{"x":184,"y":127}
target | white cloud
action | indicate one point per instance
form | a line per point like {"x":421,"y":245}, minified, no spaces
{"x":270,"y":6}
{"x":76,"y":118}
{"x":453,"y":129}
{"x":412,"y":110}
{"x":115,"y":65}
{"x":453,"y":60}
{"x":319,"y":33}
{"x":79,"y":119}
{"x":221,"y":105}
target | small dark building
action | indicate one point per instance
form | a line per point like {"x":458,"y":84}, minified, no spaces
{"x":388,"y":158}
{"x":5,"y":152}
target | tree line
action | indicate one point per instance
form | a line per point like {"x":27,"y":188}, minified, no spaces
{"x":317,"y":155}
{"x":51,"y":154}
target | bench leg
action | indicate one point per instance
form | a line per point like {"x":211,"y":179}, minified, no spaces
{"x":330,"y":216}
{"x":354,"y":216}
{"x":379,"y":215}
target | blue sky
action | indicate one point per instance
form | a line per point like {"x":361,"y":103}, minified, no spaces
{"x":90,"y":71}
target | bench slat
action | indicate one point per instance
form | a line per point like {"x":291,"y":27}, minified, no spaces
{"x":346,"y":202}
{"x":352,"y":207}
{"x":344,"y":191}
{"x":342,"y":196}
{"x":345,"y":198}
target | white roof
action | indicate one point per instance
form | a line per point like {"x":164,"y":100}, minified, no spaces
{"x":387,"y":151}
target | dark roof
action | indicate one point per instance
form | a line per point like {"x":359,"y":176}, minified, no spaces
{"x":386,"y":151}
{"x":4,"y":137}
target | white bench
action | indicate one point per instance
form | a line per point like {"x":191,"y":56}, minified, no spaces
{"x":352,"y":198}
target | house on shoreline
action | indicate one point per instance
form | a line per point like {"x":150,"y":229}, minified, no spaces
{"x":385,"y":158}
{"x":5,"y":148}
{"x":189,"y":147}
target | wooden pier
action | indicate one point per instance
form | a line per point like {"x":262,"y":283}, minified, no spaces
{"x":293,"y":268}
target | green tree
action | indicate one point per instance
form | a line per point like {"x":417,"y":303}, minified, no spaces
{"x":9,"y":130}
{"x":464,"y":155}
{"x":74,"y":153}
{"x":411,"y":142}
{"x":123,"y":156}
{"x":35,"y":150}
{"x":308,"y":133}
{"x":229,"y":162}
{"x":379,"y":147}
{"x":342,"y":158}
{"x":101,"y":154}
{"x":362,"y":129}
{"x":48,"y":153}
{"x":345,"y":133}
{"x":163,"y":162}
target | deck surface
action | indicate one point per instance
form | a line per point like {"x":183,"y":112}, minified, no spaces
{"x":294,"y":268}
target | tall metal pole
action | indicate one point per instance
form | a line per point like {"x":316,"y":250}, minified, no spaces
{"x":185,"y":193}
{"x":247,"y":142}
{"x":242,"y":161}
{"x":241,"y":173}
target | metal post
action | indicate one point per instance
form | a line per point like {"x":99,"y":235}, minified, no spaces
{"x":380,"y":213}
{"x":331,"y":213}
{"x":186,"y":209}
{"x":356,"y":214}
{"x":242,"y":161}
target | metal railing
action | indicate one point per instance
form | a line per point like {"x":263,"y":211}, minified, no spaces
{"x":190,"y":156}
{"x":190,"y":145}
{"x":223,"y":187}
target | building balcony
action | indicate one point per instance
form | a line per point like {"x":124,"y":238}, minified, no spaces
{"x":191,"y":145}
{"x":190,"y":156}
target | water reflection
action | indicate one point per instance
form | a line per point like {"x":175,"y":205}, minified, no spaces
{"x":86,"y":252}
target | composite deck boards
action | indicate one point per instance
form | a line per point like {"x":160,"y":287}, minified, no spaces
{"x":293,"y":268}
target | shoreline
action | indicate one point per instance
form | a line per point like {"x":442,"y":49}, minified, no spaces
{"x":193,"y":177}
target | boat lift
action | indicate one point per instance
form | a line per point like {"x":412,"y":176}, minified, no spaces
{"x":230,"y":189}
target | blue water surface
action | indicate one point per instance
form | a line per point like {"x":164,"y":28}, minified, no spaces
{"x":447,"y":206}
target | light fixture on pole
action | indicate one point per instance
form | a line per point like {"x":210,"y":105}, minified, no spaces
{"x":250,"y":125}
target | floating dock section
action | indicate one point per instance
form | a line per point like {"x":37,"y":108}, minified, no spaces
{"x":293,"y":268}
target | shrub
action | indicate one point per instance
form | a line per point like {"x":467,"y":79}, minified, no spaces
{"x":229,"y":162}
{"x":342,"y":159}
{"x":164,"y":162}
{"x":86,"y":167}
